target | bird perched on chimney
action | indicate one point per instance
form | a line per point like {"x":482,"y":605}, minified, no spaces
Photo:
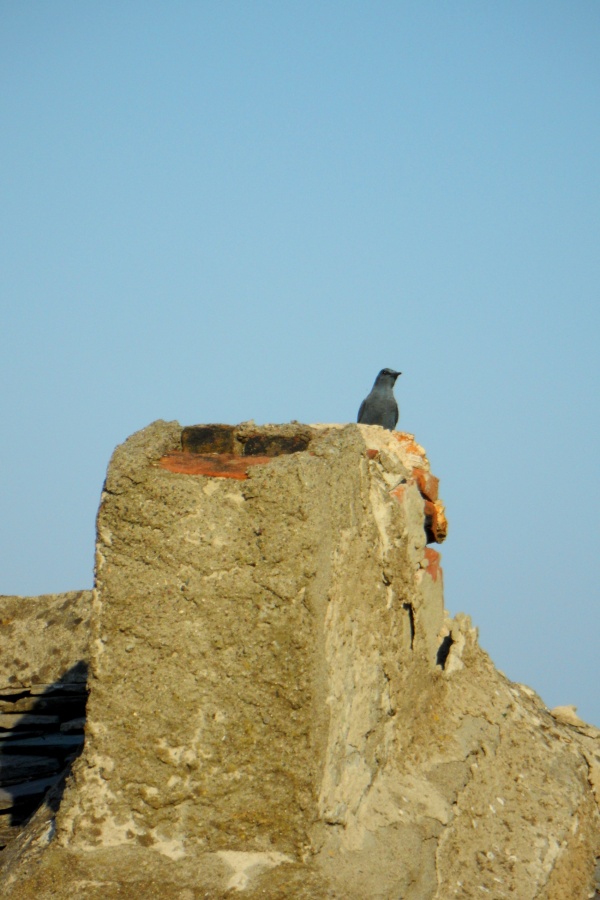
{"x":380,"y":407}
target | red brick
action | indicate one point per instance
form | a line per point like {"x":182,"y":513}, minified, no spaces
{"x":428,"y":484}
{"x":217,"y":465}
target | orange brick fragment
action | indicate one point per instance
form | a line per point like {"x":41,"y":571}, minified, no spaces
{"x":428,"y":484}
{"x":410,"y":445}
{"x":433,"y":563}
{"x":398,"y":492}
{"x":215,"y":465}
{"x":435,"y":516}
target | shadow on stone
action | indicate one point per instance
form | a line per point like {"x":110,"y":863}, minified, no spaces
{"x":41,"y":734}
{"x":444,"y":650}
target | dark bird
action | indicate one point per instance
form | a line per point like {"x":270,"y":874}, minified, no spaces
{"x":380,"y":407}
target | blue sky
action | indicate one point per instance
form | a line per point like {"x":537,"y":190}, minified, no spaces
{"x":216,"y":211}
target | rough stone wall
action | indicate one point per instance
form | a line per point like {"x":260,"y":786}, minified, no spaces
{"x":43,"y":639}
{"x":280,"y":704}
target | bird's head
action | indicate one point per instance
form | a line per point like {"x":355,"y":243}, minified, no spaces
{"x":388,"y":375}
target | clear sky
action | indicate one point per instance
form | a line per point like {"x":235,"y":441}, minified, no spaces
{"x":217,"y":211}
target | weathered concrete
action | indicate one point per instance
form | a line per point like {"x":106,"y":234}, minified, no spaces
{"x":280,"y":705}
{"x":43,"y":638}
